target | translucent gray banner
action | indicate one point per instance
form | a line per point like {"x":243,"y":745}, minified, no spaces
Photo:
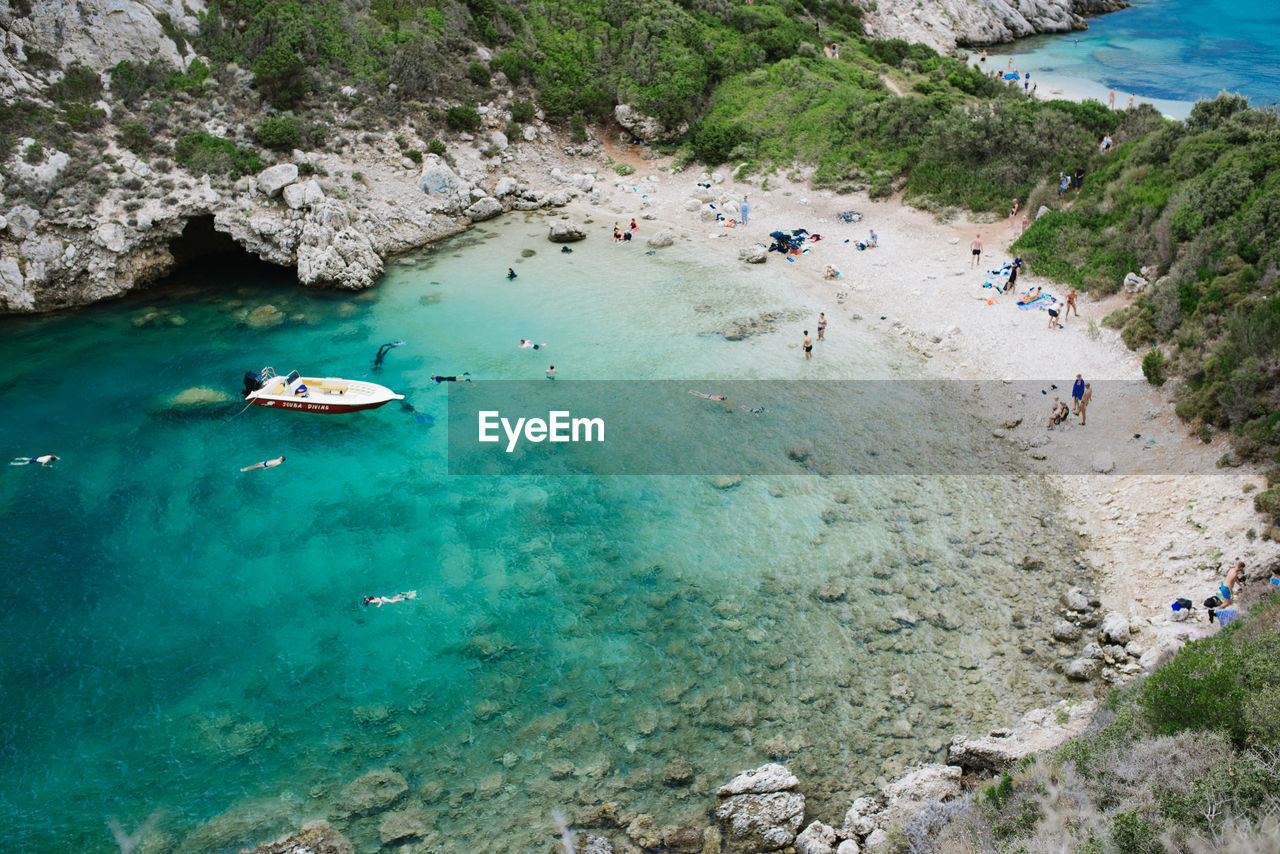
{"x":667,"y":427}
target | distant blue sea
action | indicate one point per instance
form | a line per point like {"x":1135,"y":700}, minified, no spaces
{"x":1164,"y":51}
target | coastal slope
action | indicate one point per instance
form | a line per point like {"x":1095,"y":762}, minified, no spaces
{"x":946,"y":25}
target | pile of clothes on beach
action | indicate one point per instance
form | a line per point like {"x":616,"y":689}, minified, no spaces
{"x":792,"y":242}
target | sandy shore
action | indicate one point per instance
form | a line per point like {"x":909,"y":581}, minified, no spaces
{"x":1165,"y":522}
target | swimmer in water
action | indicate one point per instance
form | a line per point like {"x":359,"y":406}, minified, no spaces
{"x":511,"y":274}
{"x":265,"y":464}
{"x":387,"y":600}
{"x":565,"y":250}
{"x":43,"y":459}
{"x":526,"y":344}
{"x":706,"y":396}
{"x":551,"y":372}
{"x":384,"y":350}
{"x":758,"y":410}
{"x":460,"y":378}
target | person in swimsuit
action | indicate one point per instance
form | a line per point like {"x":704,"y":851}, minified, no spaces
{"x":551,"y":372}
{"x":975,"y":249}
{"x":511,"y":274}
{"x":1053,"y":317}
{"x":265,"y":464}
{"x":529,"y":345}
{"x":822,"y":325}
{"x":384,"y":350}
{"x":705,"y":396}
{"x":460,"y":378}
{"x":633,"y":224}
{"x":1013,"y":276}
{"x":1084,"y":401}
{"x":43,"y":459}
{"x":808,"y":345}
{"x":387,"y":600}
{"x":1071,"y":304}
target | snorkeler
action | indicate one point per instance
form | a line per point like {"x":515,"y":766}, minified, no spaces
{"x":43,"y":459}
{"x":460,"y":378}
{"x":265,"y":464}
{"x":384,"y":350}
{"x":387,"y":600}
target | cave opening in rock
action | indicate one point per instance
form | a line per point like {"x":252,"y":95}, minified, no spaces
{"x":202,"y":252}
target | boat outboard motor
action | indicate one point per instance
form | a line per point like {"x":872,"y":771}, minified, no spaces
{"x":252,"y":382}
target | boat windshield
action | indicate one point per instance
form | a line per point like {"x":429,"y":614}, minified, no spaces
{"x":293,"y":375}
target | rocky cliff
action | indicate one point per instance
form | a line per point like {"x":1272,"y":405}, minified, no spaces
{"x":947,"y":24}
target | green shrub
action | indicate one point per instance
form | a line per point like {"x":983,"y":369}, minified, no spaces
{"x":462,"y":118}
{"x":578,"y":128}
{"x":281,"y":75}
{"x":33,"y":153}
{"x":131,"y":80}
{"x":522,"y":111}
{"x":479,"y":73}
{"x":712,"y":141}
{"x":1133,"y":835}
{"x":78,"y":84}
{"x":202,"y":153}
{"x":135,"y":137}
{"x":511,"y":64}
{"x":624,"y":169}
{"x":413,"y":154}
{"x":1153,"y":366}
{"x":1267,"y":502}
{"x":280,"y":134}
{"x":437,"y":147}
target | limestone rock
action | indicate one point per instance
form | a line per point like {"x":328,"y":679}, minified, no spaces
{"x":372,"y":793}
{"x":761,"y":822}
{"x":110,"y":236}
{"x":1066,"y":632}
{"x":661,"y":240}
{"x":274,"y":179}
{"x":316,"y":837}
{"x":848,"y":847}
{"x":563,"y":231}
{"x":198,"y":396}
{"x":708,"y":213}
{"x":753,"y":255}
{"x":817,"y":838}
{"x":1083,"y":669}
{"x":22,"y":221}
{"x":678,"y":773}
{"x":645,"y":127}
{"x":404,"y":826}
{"x":446,"y":192}
{"x":13,"y":294}
{"x":1167,"y":643}
{"x":304,"y":195}
{"x":1134,"y":284}
{"x":766,"y":778}
{"x":1074,"y":600}
{"x":1114,"y":629}
{"x":486,"y":208}
{"x":878,"y":842}
{"x":505,"y":187}
{"x":499,"y":140}
{"x":596,"y":845}
{"x":1037,"y":732}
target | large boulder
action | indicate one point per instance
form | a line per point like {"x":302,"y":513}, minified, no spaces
{"x":22,"y":221}
{"x":1038,"y":731}
{"x":1114,"y":629}
{"x":1083,"y":669}
{"x":404,"y":826}
{"x":763,"y":822}
{"x":505,"y":186}
{"x":766,"y":778}
{"x":372,"y":793}
{"x":753,"y":255}
{"x":486,"y":208}
{"x":446,"y":192}
{"x":817,"y":838}
{"x":563,"y":231}
{"x":1066,"y":631}
{"x":645,"y":127}
{"x":316,"y":837}
{"x":345,"y":259}
{"x":274,"y":179}
{"x":662,"y":239}
{"x":303,"y":195}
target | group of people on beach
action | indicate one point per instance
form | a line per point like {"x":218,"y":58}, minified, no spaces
{"x":1081,"y":395}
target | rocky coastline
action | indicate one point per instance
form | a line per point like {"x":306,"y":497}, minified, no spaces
{"x":950,"y":24}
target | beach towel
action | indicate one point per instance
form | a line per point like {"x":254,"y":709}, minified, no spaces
{"x":1042,"y":301}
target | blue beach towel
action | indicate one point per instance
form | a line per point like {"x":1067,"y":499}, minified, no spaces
{"x":1042,"y":301}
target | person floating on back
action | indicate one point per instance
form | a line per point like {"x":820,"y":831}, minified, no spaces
{"x":43,"y":459}
{"x":265,"y":464}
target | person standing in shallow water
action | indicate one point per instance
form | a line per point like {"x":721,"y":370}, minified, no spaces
{"x":822,"y":326}
{"x":808,"y":345}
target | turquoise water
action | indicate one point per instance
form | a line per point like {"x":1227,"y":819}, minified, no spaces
{"x":188,"y":638}
{"x":1169,"y":52}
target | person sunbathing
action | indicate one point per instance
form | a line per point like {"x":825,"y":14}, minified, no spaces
{"x":1030,"y":296}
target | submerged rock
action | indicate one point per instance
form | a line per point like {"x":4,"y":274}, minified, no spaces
{"x":817,"y":838}
{"x":372,"y":793}
{"x":404,"y":826}
{"x":767,"y":778}
{"x":316,"y":837}
{"x":198,"y":396}
{"x":264,"y":317}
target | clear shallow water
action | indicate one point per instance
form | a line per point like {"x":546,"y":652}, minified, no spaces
{"x":185,"y":637}
{"x":1169,"y":52}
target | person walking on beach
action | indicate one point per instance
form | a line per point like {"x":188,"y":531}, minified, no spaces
{"x":1130,"y":107}
{"x":1111,"y":99}
{"x":743,"y":210}
{"x":975,"y":251}
{"x":808,"y":345}
{"x":1013,"y":214}
{"x":822,"y":325}
{"x":1084,"y":401}
{"x":265,"y":464}
{"x":1071,"y":304}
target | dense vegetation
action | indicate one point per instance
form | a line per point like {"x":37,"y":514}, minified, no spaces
{"x":1188,"y":760}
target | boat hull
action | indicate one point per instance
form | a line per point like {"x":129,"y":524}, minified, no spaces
{"x":321,"y":407}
